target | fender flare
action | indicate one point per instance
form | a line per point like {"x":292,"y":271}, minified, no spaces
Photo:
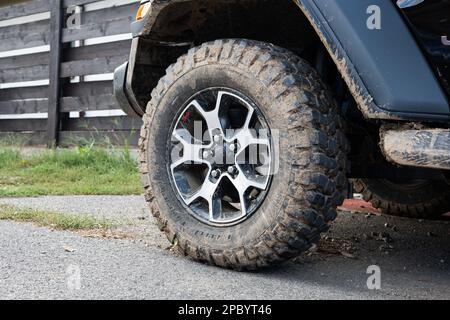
{"x":389,"y":92}
{"x":381,"y":91}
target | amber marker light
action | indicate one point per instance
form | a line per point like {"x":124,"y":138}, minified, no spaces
{"x":143,"y":10}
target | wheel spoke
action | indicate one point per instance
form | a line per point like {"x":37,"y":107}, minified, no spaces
{"x":242,"y":183}
{"x":208,"y":193}
{"x":243,"y":202}
{"x":211,"y":118}
{"x":246,"y":138}
{"x":250,"y":114}
{"x":215,"y":206}
{"x":191,"y":151}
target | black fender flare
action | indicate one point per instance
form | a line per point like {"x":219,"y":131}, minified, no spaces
{"x":385,"y":70}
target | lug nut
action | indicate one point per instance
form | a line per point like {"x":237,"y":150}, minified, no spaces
{"x":234,"y":147}
{"x":207,"y":154}
{"x":216,"y":138}
{"x":232,"y":170}
{"x":215,"y":174}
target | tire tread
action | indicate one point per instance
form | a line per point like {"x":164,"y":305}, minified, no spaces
{"x":315,"y":125}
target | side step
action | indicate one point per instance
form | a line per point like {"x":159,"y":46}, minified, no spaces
{"x":418,"y":148}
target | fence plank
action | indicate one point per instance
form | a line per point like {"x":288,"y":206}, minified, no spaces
{"x":93,"y":66}
{"x":110,"y":49}
{"x":88,"y":88}
{"x":127,"y":11}
{"x":23,"y":125}
{"x":71,"y":138}
{"x":24,"y":29}
{"x":89,"y":103}
{"x":73,"y":124}
{"x":24,"y":106}
{"x":23,"y":138}
{"x":103,"y":22}
{"x":69,"y":3}
{"x":102,"y":29}
{"x":102,"y":124}
{"x":26,"y":35}
{"x":23,"y":93}
{"x":27,"y":60}
{"x":24,"y":9}
{"x":56,"y":24}
{"x":24,"y":74}
{"x":29,"y":41}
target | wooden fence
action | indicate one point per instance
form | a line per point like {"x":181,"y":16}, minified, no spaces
{"x":69,"y":94}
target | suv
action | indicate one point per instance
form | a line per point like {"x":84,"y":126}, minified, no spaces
{"x":258,"y":113}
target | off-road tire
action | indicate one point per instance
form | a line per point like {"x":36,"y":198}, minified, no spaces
{"x":426,"y":200}
{"x":311,"y":180}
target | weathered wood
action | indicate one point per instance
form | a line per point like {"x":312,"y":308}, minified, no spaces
{"x":102,"y":124}
{"x":110,"y":124}
{"x":23,"y":125}
{"x":23,"y":93}
{"x":101,"y":29}
{"x":71,"y":138}
{"x":26,"y":35}
{"x":127,"y":11}
{"x":29,"y":41}
{"x":27,"y":60}
{"x":68,"y":3}
{"x":18,"y":31}
{"x":93,"y":66}
{"x":110,"y":49}
{"x":56,"y":23}
{"x":89,"y":103}
{"x":24,"y":9}
{"x":62,"y":62}
{"x":24,"y":106}
{"x":24,"y":74}
{"x":23,"y":138}
{"x":87,"y":88}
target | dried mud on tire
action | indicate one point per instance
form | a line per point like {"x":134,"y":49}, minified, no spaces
{"x":311,"y":181}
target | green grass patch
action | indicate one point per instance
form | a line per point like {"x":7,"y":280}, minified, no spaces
{"x":54,"y":220}
{"x":80,"y":171}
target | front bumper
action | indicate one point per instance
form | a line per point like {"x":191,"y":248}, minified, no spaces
{"x":123,"y":95}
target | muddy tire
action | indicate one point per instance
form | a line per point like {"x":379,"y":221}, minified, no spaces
{"x":415,"y":199}
{"x":311,"y":178}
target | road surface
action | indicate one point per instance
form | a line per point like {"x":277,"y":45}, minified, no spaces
{"x":134,"y":261}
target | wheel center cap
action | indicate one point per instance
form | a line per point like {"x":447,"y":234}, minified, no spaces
{"x":222,"y":154}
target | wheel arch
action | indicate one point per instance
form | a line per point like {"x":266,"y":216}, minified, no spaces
{"x":182,"y":24}
{"x":297,"y":23}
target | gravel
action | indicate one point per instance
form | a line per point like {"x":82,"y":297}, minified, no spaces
{"x":121,"y":209}
{"x":39,"y":263}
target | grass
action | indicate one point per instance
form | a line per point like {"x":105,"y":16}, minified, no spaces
{"x":80,"y":171}
{"x":54,"y":220}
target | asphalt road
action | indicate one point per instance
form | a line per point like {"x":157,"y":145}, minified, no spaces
{"x":39,"y":263}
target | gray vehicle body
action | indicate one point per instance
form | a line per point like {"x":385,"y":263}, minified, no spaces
{"x":385,"y":69}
